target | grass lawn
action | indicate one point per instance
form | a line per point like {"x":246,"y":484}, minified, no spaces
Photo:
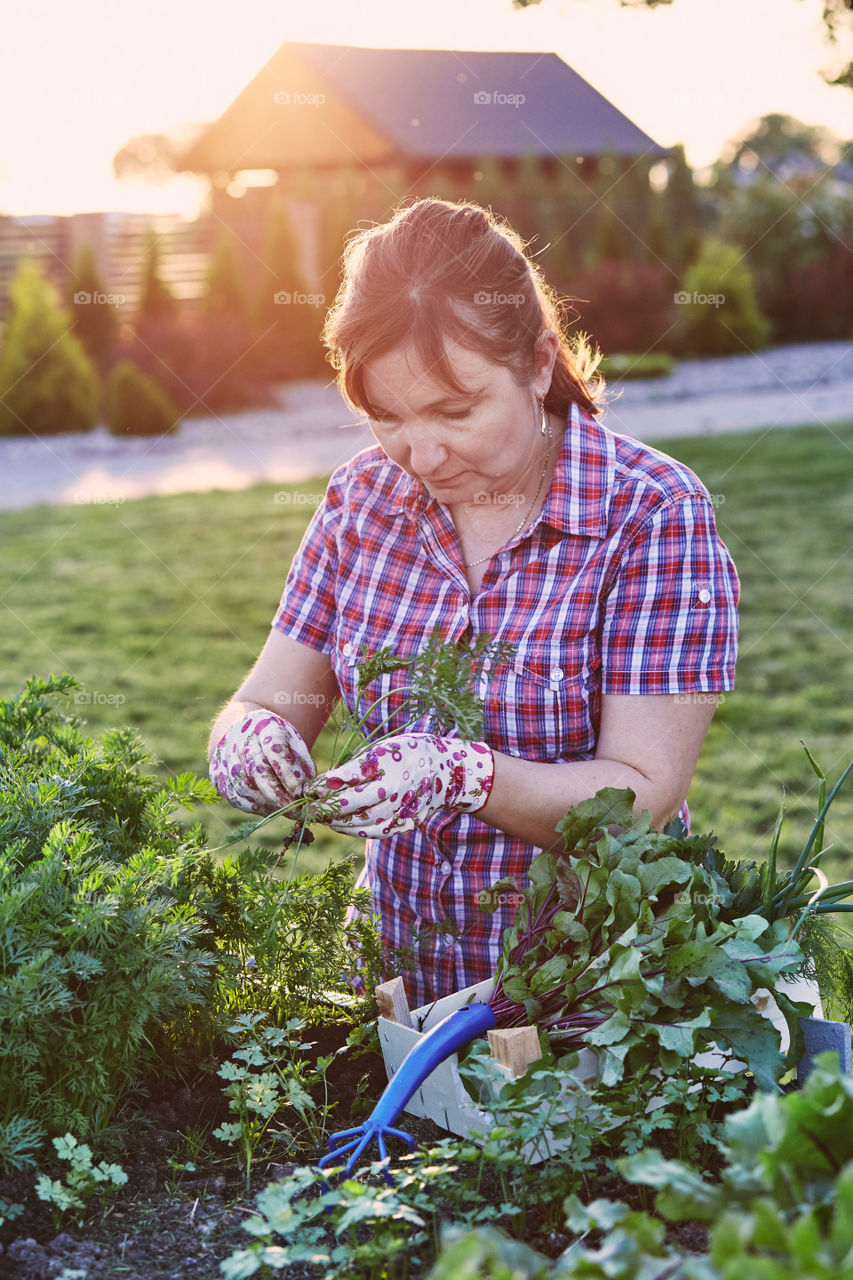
{"x":159,"y":606}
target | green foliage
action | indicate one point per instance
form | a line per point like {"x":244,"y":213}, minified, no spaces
{"x":619,"y":946}
{"x":138,"y":406}
{"x":123,"y":942}
{"x":94,"y":949}
{"x":47,"y":381}
{"x":280,"y":945}
{"x":82,"y":1179}
{"x":351,"y":1230}
{"x":9,"y":1212}
{"x":225,"y":296}
{"x":269,"y":1074}
{"x":718,"y":312}
{"x":289,"y":313}
{"x":441,"y":684}
{"x":94,"y":314}
{"x":156,"y":301}
{"x":625,"y":367}
{"x":486,"y":1252}
{"x":782,"y":1205}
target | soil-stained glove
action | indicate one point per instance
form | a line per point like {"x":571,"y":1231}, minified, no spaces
{"x":397,"y":784}
{"x":261,"y":763}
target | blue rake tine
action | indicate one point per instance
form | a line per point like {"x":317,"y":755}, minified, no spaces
{"x":336,"y":1152}
{"x":335,"y":1138}
{"x":459,"y":1028}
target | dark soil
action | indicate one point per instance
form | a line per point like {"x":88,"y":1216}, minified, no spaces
{"x":168,"y":1223}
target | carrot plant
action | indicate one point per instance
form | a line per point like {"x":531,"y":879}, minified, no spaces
{"x":438,"y":696}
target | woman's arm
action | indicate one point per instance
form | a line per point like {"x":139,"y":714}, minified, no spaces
{"x":650,"y":743}
{"x":290,"y":679}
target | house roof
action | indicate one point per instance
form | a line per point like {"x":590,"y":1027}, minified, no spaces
{"x":320,"y":105}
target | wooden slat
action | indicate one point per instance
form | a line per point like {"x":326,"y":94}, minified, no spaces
{"x":393,"y":1005}
{"x":516,"y":1048}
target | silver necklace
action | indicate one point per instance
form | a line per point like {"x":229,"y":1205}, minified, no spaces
{"x":469,"y":564}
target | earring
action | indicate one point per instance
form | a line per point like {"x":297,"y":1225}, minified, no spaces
{"x":543,"y":424}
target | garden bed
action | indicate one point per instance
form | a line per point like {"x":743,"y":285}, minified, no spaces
{"x":171,"y":1222}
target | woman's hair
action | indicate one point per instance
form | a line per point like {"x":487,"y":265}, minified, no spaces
{"x":437,"y":273}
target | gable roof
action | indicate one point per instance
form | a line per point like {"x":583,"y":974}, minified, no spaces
{"x":319,"y":104}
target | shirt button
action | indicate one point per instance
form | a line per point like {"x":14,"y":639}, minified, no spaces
{"x":705,"y":595}
{"x":446,"y":868}
{"x":487,"y":664}
{"x":347,"y":649}
{"x":556,"y":673}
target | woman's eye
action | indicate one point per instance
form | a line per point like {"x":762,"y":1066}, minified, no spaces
{"x":457,"y":415}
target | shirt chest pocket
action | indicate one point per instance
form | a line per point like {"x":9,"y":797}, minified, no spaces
{"x":544,"y":704}
{"x":381,"y":700}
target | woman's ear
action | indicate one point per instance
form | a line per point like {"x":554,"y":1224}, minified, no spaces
{"x":547,"y":346}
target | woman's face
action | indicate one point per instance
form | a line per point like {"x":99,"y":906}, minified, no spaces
{"x":464,"y":448}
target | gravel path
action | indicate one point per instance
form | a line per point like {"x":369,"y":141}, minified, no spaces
{"x":787,"y":386}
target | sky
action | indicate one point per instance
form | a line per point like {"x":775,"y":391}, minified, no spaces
{"x":78,"y":79}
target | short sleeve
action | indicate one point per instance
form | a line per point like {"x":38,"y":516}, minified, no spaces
{"x":670,"y":619}
{"x":307,"y":609}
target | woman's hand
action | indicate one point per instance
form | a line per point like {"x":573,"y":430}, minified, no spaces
{"x":400,"y":782}
{"x":261,"y":763}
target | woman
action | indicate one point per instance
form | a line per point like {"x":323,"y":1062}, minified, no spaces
{"x":494,"y":503}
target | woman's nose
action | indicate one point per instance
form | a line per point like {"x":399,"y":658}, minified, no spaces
{"x":426,"y":455}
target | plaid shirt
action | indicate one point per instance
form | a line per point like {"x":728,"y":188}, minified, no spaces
{"x":622,"y":586}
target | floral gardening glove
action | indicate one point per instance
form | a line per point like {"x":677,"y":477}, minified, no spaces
{"x":398,"y":783}
{"x":261,"y":763}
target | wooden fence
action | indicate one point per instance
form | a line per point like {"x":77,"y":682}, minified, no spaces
{"x":117,"y":240}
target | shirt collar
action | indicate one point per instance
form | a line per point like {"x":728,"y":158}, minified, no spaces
{"x":579,"y":498}
{"x":580,"y":494}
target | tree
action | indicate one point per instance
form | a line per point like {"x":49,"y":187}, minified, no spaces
{"x":156,"y":302}
{"x":138,"y":406}
{"x":683,"y":209}
{"x":152,"y":158}
{"x":719,"y":313}
{"x":47,"y":382}
{"x":225,"y":295}
{"x":289,"y":314}
{"x":94,"y":316}
{"x":779,"y":147}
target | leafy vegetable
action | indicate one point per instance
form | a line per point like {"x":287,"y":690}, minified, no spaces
{"x":619,"y":946}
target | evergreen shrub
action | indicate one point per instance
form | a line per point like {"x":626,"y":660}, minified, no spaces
{"x":138,"y":406}
{"x":48,"y":383}
{"x":718,"y":312}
